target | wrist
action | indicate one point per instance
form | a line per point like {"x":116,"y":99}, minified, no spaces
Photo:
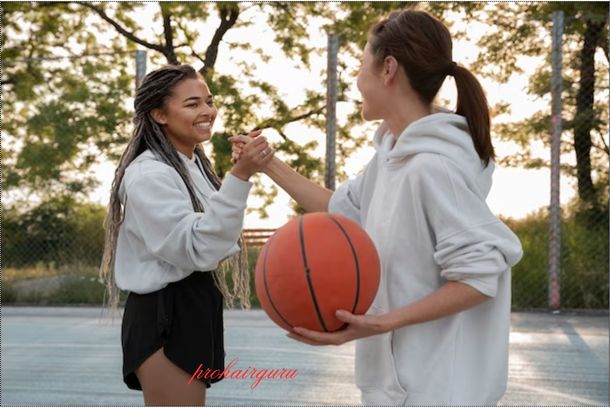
{"x":271,"y":167}
{"x":394,"y":320}
{"x":241,"y":175}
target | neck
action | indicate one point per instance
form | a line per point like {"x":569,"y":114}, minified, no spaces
{"x":403,"y":114}
{"x":186,"y":150}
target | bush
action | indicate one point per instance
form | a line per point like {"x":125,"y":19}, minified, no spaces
{"x":79,"y":290}
{"x":59,"y":231}
{"x":584,"y":262}
{"x":8,"y":293}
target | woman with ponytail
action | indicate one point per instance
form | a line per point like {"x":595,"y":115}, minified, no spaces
{"x":437,"y":331}
{"x":172,"y":236}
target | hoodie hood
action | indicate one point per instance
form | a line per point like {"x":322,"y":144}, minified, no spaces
{"x":441,"y":133}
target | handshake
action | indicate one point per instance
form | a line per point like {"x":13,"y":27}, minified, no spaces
{"x":250,"y":154}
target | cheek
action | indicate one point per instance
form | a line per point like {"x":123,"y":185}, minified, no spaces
{"x":365,"y":83}
{"x":359,"y":82}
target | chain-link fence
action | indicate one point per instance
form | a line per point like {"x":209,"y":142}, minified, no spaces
{"x":565,"y":264}
{"x":566,"y":258}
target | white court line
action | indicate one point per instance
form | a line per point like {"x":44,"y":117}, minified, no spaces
{"x":545,"y":391}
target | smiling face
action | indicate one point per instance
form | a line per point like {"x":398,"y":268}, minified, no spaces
{"x":187,"y":115}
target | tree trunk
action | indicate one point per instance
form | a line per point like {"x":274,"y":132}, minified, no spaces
{"x":584,"y":120}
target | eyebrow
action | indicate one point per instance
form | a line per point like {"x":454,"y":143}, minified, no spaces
{"x":196,"y":98}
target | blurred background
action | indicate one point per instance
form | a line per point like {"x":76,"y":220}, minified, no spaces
{"x":69,"y":72}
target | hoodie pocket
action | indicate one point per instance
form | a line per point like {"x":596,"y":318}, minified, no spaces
{"x":376,"y":371}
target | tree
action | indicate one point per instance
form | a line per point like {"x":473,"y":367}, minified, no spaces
{"x":526,"y":27}
{"x":60,"y":93}
{"x":61,"y":111}
{"x":57,"y":111}
{"x":68,"y":74}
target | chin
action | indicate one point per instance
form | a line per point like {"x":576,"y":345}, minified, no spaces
{"x":203,"y":138}
{"x":368,"y":116}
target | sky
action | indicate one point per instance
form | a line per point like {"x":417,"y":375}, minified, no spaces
{"x":515,"y":192}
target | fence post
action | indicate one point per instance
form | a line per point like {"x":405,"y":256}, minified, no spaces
{"x":555,"y":208}
{"x":140,"y":66}
{"x":331,"y":111}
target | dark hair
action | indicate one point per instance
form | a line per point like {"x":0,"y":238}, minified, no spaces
{"x":148,"y":134}
{"x":422,"y":46}
{"x":152,"y":93}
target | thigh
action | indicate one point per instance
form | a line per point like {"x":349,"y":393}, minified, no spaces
{"x":164,"y":383}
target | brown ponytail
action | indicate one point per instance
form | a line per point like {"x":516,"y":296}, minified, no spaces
{"x":422,"y":46}
{"x":472,"y":104}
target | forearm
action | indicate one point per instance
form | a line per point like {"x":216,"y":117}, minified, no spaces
{"x":311,"y":196}
{"x":449,"y":299}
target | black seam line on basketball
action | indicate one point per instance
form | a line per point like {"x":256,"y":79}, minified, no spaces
{"x":308,"y":275}
{"x":267,"y":287}
{"x":349,"y":241}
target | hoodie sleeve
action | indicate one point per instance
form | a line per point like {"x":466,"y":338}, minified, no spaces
{"x":162,"y":215}
{"x":346,"y":199}
{"x":471,"y":245}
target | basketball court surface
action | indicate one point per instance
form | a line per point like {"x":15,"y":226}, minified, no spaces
{"x":65,"y":356}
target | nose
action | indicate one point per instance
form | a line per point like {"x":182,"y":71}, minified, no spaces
{"x":208,"y":110}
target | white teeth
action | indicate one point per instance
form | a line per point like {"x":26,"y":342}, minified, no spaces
{"x":203,"y":125}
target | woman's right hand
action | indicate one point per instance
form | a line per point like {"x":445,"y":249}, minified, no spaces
{"x":254,"y":156}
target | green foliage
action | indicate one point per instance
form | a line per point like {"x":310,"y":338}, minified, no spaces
{"x":79,"y":290}
{"x":72,"y":289}
{"x":8,"y":294}
{"x":527,"y":27}
{"x":584,"y":261}
{"x":66,"y":114}
{"x":60,"y":113}
{"x":59,"y":231}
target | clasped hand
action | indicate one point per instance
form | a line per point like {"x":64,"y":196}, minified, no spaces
{"x":240,"y":142}
{"x":254,"y":153}
{"x":358,"y":326}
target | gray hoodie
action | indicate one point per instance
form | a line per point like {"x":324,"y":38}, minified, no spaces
{"x":162,"y":239}
{"x":422,"y":200}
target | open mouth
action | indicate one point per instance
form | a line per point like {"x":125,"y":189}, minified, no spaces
{"x":204,"y":125}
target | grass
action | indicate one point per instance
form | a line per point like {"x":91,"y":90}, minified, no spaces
{"x":81,"y":285}
{"x":10,"y":275}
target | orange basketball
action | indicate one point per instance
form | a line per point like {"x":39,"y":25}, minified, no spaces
{"x":313,"y":266}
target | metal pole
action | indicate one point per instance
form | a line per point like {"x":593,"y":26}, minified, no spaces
{"x":331,"y":111}
{"x":555,"y":209}
{"x":140,"y":66}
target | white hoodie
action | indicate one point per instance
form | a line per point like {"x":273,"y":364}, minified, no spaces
{"x":162,"y":238}
{"x":422,"y":201}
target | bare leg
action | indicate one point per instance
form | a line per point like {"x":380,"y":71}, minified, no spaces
{"x":164,"y":383}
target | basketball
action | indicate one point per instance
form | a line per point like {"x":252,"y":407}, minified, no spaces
{"x":314,"y":265}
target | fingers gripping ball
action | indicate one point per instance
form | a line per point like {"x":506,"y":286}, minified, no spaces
{"x":313,"y":266}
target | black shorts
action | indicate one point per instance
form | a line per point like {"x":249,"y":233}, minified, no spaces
{"x":185,"y":318}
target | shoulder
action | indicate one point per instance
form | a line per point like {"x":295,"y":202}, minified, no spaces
{"x":435,"y":176}
{"x":423,"y":166}
{"x":149,"y":170}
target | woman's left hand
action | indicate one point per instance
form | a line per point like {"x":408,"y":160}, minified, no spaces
{"x":359,"y":326}
{"x":237,"y":147}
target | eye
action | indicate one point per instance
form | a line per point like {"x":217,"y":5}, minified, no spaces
{"x":210,"y":102}
{"x":191,"y":105}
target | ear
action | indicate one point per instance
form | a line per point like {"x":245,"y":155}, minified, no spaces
{"x":158,"y":115}
{"x":390,"y":69}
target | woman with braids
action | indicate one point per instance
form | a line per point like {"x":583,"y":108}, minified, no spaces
{"x":437,"y":332}
{"x":172,"y":231}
